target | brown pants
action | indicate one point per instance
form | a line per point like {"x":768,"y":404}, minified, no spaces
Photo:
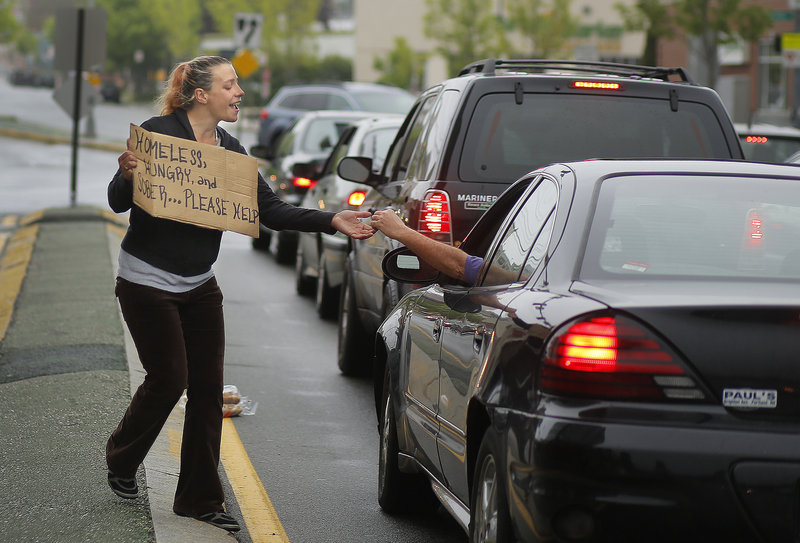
{"x":180,"y":338}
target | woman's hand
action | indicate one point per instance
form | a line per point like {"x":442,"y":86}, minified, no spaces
{"x":347,"y":223}
{"x":127,"y":163}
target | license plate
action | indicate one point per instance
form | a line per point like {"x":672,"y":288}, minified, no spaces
{"x":750,"y":398}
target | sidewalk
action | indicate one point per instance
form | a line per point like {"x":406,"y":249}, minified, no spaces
{"x":67,"y":370}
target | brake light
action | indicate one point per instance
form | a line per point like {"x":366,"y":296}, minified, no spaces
{"x":756,"y":139}
{"x":754,"y":224}
{"x":616,"y":358}
{"x":434,"y":217}
{"x":596,"y":85}
{"x":303,"y":182}
{"x":263,"y":115}
{"x":356,"y":198}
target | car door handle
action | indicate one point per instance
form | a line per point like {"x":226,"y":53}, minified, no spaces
{"x":477,"y":338}
{"x":437,"y":328}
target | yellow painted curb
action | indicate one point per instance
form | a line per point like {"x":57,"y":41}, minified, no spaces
{"x":13,"y":267}
{"x":259,"y":515}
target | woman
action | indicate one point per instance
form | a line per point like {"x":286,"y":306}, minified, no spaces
{"x":172,"y":304}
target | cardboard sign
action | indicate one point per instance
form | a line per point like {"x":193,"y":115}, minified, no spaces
{"x":194,"y":183}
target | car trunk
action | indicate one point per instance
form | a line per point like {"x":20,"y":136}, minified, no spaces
{"x":741,"y":339}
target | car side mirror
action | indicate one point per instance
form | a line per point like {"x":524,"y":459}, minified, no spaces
{"x":359,"y":170}
{"x":404,"y":266}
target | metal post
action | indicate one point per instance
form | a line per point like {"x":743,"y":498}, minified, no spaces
{"x":76,"y":117}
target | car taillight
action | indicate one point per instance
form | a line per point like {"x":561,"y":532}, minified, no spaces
{"x":596,"y":85}
{"x":756,"y":139}
{"x":303,"y":182}
{"x":613,"y":357}
{"x":264,"y":114}
{"x":356,"y":198}
{"x":434,"y":216}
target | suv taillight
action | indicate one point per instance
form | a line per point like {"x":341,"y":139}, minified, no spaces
{"x":613,"y":357}
{"x":264,"y":114}
{"x":434,"y":216}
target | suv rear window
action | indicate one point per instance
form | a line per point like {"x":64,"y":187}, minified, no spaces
{"x":505,"y":140}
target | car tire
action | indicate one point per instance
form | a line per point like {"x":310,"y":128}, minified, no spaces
{"x":489,"y":514}
{"x":352,"y":353}
{"x":284,"y":248}
{"x":398,"y":492}
{"x":303,"y":284}
{"x":390,"y":298}
{"x":327,"y":297}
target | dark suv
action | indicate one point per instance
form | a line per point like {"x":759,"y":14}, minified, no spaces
{"x":467,"y":139}
{"x":292,"y":100}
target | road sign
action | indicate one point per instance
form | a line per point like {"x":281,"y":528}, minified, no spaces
{"x":247,"y":30}
{"x":245,"y":63}
{"x":64,"y":96}
{"x":790,"y":49}
{"x":66,"y":36}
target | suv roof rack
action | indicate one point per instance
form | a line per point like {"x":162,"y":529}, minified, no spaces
{"x":490,"y":66}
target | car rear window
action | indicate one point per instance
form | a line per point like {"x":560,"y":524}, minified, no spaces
{"x":694,"y":226}
{"x":765,"y":148}
{"x":505,"y":140}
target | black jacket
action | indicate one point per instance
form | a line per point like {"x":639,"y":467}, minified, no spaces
{"x":185,"y":249}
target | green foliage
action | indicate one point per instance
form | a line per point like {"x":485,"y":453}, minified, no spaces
{"x":402,"y":67}
{"x":713,"y":22}
{"x":545,"y":24}
{"x":464,"y":30}
{"x":9,"y":26}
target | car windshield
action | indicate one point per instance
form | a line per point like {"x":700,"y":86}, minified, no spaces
{"x":505,"y":140}
{"x":695,"y":227}
{"x":384,"y":100}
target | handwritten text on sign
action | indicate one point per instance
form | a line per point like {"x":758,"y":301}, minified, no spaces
{"x":195,"y":183}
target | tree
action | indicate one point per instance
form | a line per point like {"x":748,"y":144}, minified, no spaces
{"x":718,"y":22}
{"x":652,"y":17}
{"x":402,"y":67}
{"x":465,"y":31}
{"x":545,"y":24}
{"x":136,"y":41}
{"x":710,"y":22}
{"x":9,"y":26}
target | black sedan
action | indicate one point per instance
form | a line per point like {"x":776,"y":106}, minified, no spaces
{"x":624,"y":369}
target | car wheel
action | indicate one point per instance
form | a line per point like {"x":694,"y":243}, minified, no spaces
{"x":398,"y":492}
{"x":303,"y":284}
{"x":489,"y":517}
{"x":352,"y":353}
{"x":327,"y":299}
{"x":390,"y":298}
{"x":285,"y":251}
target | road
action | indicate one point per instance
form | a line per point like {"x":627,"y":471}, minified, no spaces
{"x":313,"y":438}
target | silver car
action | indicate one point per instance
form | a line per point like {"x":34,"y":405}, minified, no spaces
{"x":320,"y":257}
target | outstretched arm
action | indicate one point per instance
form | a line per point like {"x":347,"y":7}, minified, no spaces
{"x":442,"y":256}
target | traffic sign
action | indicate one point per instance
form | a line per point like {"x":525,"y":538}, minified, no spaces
{"x":86,"y":23}
{"x":245,"y":63}
{"x":64,"y":96}
{"x":790,"y":49}
{"x":247,"y":30}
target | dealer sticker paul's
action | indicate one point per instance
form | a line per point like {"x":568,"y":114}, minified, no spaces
{"x":750,"y":398}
